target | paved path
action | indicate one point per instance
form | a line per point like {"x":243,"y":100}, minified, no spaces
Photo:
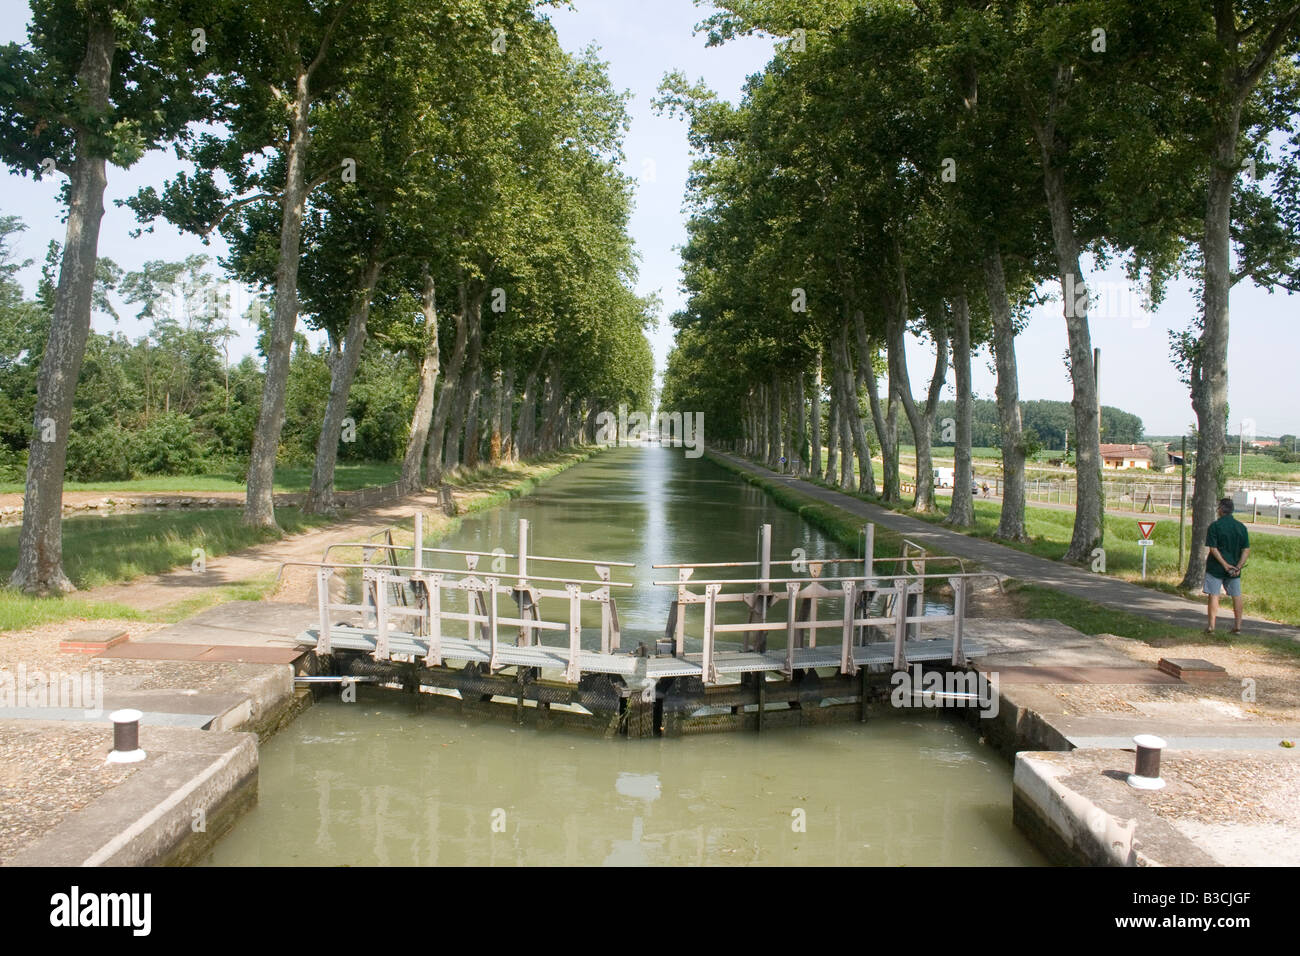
{"x":1106,"y":591}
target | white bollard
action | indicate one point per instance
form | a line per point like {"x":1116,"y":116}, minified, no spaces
{"x":1146,"y":775}
{"x":126,"y":737}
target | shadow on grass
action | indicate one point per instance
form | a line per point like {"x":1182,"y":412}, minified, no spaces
{"x":108,"y":550}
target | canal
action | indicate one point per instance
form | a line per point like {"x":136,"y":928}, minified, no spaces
{"x":381,"y":782}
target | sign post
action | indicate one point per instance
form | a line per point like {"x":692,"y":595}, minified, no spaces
{"x":1146,"y":527}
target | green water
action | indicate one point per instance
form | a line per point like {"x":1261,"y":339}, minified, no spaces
{"x":381,"y":782}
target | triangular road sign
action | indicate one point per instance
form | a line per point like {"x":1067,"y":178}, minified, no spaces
{"x":1146,"y":527}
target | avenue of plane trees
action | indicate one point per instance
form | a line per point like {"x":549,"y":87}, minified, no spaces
{"x":434,"y":178}
{"x":934,"y":167}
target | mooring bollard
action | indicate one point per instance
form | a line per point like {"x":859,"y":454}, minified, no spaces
{"x":126,"y":737}
{"x":1146,"y":774}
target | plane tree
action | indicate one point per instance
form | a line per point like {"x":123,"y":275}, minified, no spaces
{"x":96,"y":83}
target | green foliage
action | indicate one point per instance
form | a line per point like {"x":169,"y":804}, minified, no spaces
{"x":167,"y":445}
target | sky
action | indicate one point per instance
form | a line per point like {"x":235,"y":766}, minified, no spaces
{"x":641,"y":42}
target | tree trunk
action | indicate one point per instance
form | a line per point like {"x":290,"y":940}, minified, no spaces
{"x":40,"y":542}
{"x":496,"y":397}
{"x":846,"y":436}
{"x":885,"y":420}
{"x":552,"y":403}
{"x":451,"y":454}
{"x":815,"y":423}
{"x":259,"y":506}
{"x":1088,"y":514}
{"x":450,"y":386}
{"x":472,"y":419}
{"x":833,"y":423}
{"x":921,"y":420}
{"x":508,"y":450}
{"x":774,"y":423}
{"x":1011,"y":526}
{"x":343,"y":370}
{"x":851,"y":417}
{"x":961,"y":513}
{"x":787,"y":425}
{"x":801,"y":424}
{"x":526,"y":429}
{"x":422,"y":416}
{"x":546,"y":436}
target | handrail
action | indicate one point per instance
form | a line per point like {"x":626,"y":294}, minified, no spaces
{"x":482,"y":554}
{"x":457,"y":571}
{"x":691,"y":582}
{"x":755,"y":564}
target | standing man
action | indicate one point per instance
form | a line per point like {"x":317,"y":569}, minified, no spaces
{"x":1229,"y":545}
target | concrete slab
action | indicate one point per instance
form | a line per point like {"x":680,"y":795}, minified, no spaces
{"x":1039,"y":643}
{"x":176,"y":803}
{"x":1218,"y":808}
{"x":174,"y":651}
{"x":253,"y":655}
{"x":1049,"y":674}
{"x":147,"y":718}
{"x":1181,"y":742}
{"x":244,"y":623}
{"x":155,"y":651}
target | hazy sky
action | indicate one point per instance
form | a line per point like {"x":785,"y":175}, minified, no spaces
{"x":644,"y":40}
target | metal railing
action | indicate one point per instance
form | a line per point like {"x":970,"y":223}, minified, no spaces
{"x":803,"y":597}
{"x":428,"y":609}
{"x":414,"y":610}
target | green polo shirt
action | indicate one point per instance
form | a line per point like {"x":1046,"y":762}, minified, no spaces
{"x":1230,"y":537}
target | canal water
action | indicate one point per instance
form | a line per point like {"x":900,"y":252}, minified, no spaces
{"x":380,"y":782}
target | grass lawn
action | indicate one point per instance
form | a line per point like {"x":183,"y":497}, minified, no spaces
{"x":1035,"y":601}
{"x":107,"y":550}
{"x":98,"y":551}
{"x":347,"y":477}
{"x":21,"y":611}
{"x":117,"y":548}
{"x":1271,"y":583}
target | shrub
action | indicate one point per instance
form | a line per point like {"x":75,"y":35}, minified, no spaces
{"x":100,"y":455}
{"x":167,"y":445}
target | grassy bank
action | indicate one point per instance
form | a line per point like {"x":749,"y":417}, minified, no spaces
{"x":110,"y":550}
{"x":288,"y":480}
{"x":1271,"y":582}
{"x":1031,"y":600}
{"x":841,"y":526}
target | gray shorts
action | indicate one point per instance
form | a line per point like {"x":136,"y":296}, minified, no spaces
{"x":1214,"y":585}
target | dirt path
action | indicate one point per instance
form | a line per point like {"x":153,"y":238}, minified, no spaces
{"x":161,"y":590}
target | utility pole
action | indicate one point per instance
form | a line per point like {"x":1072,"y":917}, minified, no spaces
{"x":1241,"y":445}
